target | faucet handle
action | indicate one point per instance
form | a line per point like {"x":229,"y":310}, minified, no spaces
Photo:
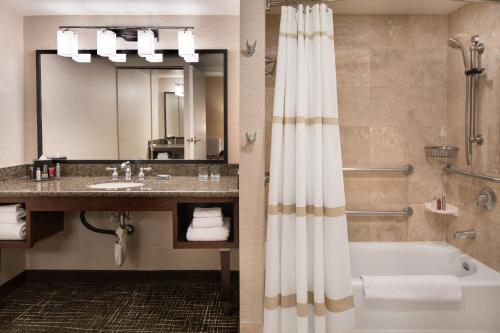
{"x":114,"y":175}
{"x":141,"y":171}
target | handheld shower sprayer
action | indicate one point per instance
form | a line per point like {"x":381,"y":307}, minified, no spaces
{"x":472,"y":65}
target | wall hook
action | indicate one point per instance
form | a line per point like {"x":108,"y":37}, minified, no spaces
{"x":250,"y":49}
{"x":251,"y":138}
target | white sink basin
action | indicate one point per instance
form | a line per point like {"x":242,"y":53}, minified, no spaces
{"x":115,"y":186}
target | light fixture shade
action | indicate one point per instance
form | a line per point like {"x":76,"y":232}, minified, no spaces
{"x":192,"y":58}
{"x":67,"y":43}
{"x":106,"y":42}
{"x":118,"y":57}
{"x":82,"y":57}
{"x":179,"y":90}
{"x":157,"y":57}
{"x":185,"y":41}
{"x":145,"y":43}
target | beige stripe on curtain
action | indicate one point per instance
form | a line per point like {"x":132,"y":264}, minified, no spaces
{"x":308,"y":286}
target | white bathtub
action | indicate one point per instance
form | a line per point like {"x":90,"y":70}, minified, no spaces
{"x":478,"y":312}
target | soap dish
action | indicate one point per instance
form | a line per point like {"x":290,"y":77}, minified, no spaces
{"x":441,"y":151}
{"x":450,"y":209}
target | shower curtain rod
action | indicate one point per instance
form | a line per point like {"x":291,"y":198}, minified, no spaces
{"x":279,"y":3}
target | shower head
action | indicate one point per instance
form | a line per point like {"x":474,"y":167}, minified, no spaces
{"x":456,"y":44}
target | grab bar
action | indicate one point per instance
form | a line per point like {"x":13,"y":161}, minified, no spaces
{"x":406,"y":169}
{"x":451,"y":169}
{"x":407,"y":211}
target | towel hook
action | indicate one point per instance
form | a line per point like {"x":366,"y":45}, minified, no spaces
{"x":250,"y":49}
{"x":251,"y":138}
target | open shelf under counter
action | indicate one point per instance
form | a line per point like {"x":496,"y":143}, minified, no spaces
{"x":450,"y":209}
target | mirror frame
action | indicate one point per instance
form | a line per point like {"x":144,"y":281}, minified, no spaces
{"x":39,"y":110}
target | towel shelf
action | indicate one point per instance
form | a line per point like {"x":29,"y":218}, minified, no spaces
{"x":407,"y":211}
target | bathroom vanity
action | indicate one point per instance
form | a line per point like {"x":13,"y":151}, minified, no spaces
{"x":46,"y":202}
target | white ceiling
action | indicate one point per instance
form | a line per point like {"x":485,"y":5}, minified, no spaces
{"x":123,"y":7}
{"x":430,"y":7}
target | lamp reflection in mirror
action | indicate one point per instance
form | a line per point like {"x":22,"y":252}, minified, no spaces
{"x":67,"y":43}
{"x":179,"y":90}
{"x":106,"y":43}
{"x":185,"y":41}
{"x":192,"y":58}
{"x":145,"y":43}
{"x":157,"y":57}
{"x":82,"y":57}
{"x":119,"y":57}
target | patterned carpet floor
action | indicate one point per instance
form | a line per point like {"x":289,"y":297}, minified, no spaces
{"x":140,"y":305}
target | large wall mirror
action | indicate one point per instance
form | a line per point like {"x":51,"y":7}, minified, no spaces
{"x":171,"y":111}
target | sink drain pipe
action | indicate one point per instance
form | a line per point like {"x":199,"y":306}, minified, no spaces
{"x":86,"y":224}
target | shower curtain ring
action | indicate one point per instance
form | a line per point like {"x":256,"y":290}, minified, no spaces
{"x":250,"y":49}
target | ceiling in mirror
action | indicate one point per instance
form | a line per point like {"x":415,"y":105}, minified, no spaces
{"x":123,"y":7}
{"x":138,"y":110}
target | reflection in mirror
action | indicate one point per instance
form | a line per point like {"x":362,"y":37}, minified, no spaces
{"x":135,"y":110}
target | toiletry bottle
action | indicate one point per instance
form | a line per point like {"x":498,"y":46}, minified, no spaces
{"x":438,"y":203}
{"x":434,"y":202}
{"x":45,"y":172}
{"x":443,"y":202}
{"x":38,"y":175}
{"x":58,"y":171}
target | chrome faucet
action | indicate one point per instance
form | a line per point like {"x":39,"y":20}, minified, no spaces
{"x":128,"y":170}
{"x":141,"y":172}
{"x":465,"y":234}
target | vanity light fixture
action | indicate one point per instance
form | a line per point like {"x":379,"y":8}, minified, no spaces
{"x":118,"y":57}
{"x":82,"y":57}
{"x":157,"y":57}
{"x":185,"y":41}
{"x":145,"y":42}
{"x":67,"y":43}
{"x":106,"y":42}
{"x":179,"y":90}
{"x":146,"y":38}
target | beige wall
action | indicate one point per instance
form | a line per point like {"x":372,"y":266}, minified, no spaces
{"x":391,"y":83}
{"x":212,"y":32}
{"x":473,"y":19}
{"x":11,"y":118}
{"x":79,"y":108}
{"x":11,"y":90}
{"x":252,"y":168}
{"x":152,"y":249}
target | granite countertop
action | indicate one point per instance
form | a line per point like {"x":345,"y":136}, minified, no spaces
{"x":177,"y":186}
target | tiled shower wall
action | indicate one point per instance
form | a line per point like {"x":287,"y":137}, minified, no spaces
{"x":391,"y":77}
{"x":481,"y":19}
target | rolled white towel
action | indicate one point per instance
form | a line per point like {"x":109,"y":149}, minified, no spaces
{"x":11,"y":208}
{"x":12,"y":218}
{"x":209,"y":234}
{"x":207,"y":212}
{"x":421,"y":288}
{"x":207,"y":222}
{"x":13,"y":231}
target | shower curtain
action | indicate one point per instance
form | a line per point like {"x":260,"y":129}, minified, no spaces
{"x":308,"y":280}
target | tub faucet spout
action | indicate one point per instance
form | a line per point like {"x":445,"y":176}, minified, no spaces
{"x":466,"y":234}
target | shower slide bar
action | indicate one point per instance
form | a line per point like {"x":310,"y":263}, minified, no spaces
{"x":449,"y":168}
{"x":405,"y":212}
{"x":406,"y":169}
